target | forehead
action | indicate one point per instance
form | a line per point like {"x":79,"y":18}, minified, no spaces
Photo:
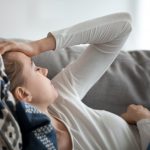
{"x":21,"y":57}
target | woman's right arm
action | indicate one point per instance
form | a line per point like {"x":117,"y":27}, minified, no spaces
{"x":105,"y":36}
{"x":31,"y":48}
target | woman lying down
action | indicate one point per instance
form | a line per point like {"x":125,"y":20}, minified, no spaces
{"x":77,"y":126}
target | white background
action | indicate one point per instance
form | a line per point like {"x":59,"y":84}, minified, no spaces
{"x":33,"y":19}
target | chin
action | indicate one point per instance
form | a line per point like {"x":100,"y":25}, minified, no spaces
{"x":56,"y":96}
{"x":56,"y":93}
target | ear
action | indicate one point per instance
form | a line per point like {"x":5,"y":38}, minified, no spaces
{"x":23,"y":94}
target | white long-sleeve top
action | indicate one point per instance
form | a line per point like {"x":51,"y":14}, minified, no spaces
{"x":94,"y":129}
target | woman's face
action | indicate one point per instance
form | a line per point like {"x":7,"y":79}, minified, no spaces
{"x":36,"y":81}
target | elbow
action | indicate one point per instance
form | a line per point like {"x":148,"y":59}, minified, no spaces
{"x":127,"y":24}
{"x":126,"y":29}
{"x":123,"y":22}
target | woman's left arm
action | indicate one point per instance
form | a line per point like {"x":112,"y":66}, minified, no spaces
{"x":144,"y":128}
{"x":137,"y":114}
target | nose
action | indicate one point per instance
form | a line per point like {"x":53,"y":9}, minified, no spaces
{"x":45,"y":71}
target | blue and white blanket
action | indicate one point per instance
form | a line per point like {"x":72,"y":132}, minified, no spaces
{"x":22,"y":126}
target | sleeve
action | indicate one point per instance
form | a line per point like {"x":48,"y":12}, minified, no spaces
{"x":144,"y":128}
{"x":105,"y":36}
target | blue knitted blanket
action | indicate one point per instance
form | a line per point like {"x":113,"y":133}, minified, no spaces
{"x":22,"y":126}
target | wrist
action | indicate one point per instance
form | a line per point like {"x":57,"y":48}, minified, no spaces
{"x":142,"y":117}
{"x":36,"y":47}
{"x":144,"y":120}
{"x":45,"y":44}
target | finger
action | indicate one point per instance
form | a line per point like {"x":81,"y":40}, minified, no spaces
{"x":136,"y":107}
{"x":2,"y":45}
{"x":7,"y":48}
{"x":132,"y":107}
{"x":2,"y":48}
{"x":140,"y":106}
{"x":124,"y":116}
{"x":2,"y":40}
{"x":127,"y":118}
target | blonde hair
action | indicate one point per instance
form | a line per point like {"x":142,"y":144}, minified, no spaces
{"x":13,"y":69}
